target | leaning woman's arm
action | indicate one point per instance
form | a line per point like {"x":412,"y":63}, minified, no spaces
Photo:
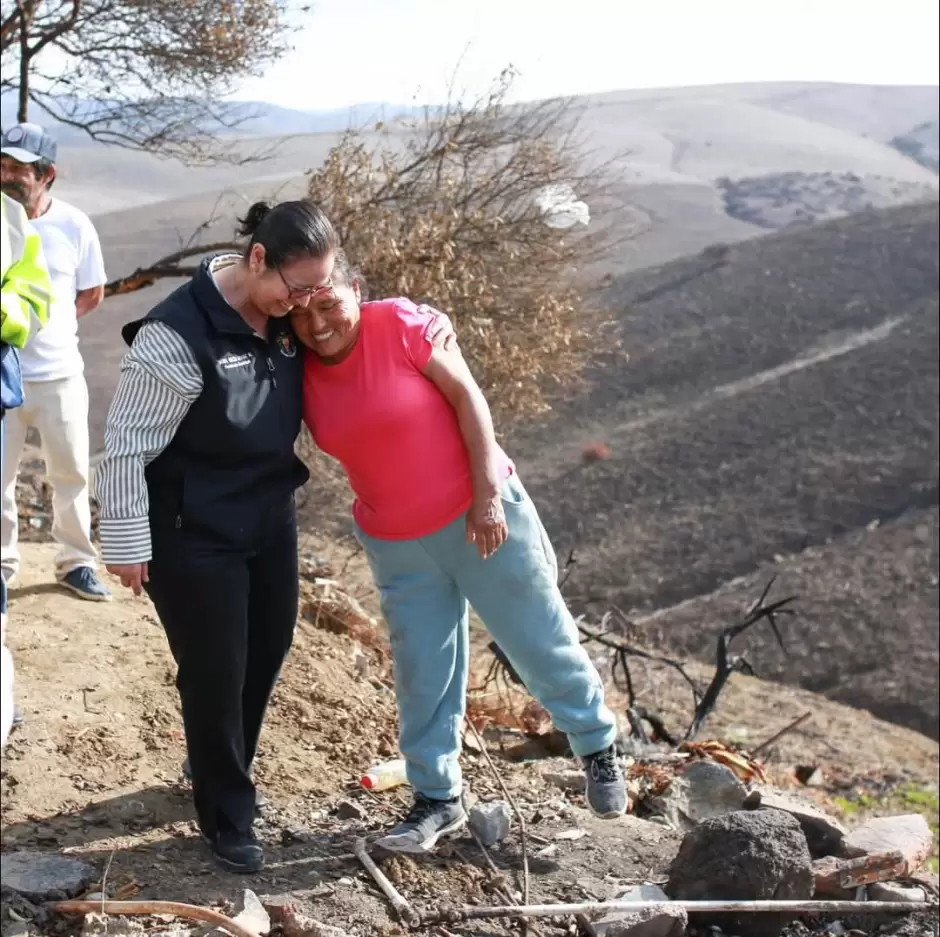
{"x":159,"y":381}
{"x":448,"y":371}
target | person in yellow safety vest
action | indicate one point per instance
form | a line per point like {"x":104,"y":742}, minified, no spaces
{"x":24,"y":305}
{"x":26,"y":286}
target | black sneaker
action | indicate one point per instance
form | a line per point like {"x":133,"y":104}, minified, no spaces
{"x":260,"y":800}
{"x":606,"y":791}
{"x":240,"y":852}
{"x":427,"y":821}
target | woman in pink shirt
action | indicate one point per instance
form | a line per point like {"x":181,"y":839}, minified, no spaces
{"x":444,"y":520}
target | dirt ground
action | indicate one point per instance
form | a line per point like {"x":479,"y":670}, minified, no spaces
{"x":95,"y":769}
{"x":759,"y":424}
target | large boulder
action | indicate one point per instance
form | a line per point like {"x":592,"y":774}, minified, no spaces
{"x":744,"y":855}
{"x":823,"y":834}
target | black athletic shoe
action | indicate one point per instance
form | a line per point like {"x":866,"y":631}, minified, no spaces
{"x":239,"y":852}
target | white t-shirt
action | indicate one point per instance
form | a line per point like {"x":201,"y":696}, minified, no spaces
{"x":73,"y":255}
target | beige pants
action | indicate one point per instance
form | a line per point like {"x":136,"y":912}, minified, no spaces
{"x":6,"y":690}
{"x":59,"y":410}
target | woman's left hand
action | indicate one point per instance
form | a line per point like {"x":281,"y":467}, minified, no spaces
{"x":486,"y":524}
{"x":441,"y":332}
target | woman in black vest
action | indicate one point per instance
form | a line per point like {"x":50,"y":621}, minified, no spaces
{"x":196,"y":493}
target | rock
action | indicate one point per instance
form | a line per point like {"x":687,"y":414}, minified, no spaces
{"x":892,"y":891}
{"x":838,"y":878}
{"x":294,"y":924}
{"x":810,"y":775}
{"x":569,"y":780}
{"x":704,"y":789}
{"x":17,"y":929}
{"x":930,"y":881}
{"x":747,"y":855}
{"x":316,"y":929}
{"x":823,"y":834}
{"x":909,"y":834}
{"x":349,"y":810}
{"x":652,"y":922}
{"x":106,"y":925}
{"x":921,"y":924}
{"x":491,"y":821}
{"x":250,"y":912}
{"x":295,"y":835}
{"x":280,"y":908}
{"x":40,"y":875}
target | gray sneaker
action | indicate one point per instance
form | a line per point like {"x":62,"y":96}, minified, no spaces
{"x":606,"y":787}
{"x":86,"y":585}
{"x":427,"y":821}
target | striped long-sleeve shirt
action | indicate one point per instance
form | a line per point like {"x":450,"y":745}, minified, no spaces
{"x":160,"y":380}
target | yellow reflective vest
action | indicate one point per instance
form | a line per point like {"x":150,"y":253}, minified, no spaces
{"x":26,"y":290}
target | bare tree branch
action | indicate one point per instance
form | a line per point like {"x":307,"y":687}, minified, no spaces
{"x":141,"y":74}
{"x":170,"y":266}
{"x":623,"y":651}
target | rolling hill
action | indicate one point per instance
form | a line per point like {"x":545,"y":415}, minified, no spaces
{"x":687,"y":159}
{"x":777,"y":415}
{"x":772,"y":414}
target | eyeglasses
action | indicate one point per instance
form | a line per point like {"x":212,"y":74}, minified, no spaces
{"x":306,"y":292}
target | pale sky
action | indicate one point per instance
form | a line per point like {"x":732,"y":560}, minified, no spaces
{"x":400,"y":51}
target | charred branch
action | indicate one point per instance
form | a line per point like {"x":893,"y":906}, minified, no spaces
{"x":646,"y":724}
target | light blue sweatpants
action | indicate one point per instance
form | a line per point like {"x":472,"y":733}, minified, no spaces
{"x":425,"y":585}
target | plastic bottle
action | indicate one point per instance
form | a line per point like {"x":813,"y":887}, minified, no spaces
{"x":385,"y":775}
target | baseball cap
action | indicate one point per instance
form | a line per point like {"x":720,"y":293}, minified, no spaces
{"x":27,"y":143}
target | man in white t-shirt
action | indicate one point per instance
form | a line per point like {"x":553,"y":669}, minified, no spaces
{"x":54,"y":389}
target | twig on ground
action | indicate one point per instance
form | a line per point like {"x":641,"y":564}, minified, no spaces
{"x":500,"y":892}
{"x":494,"y":868}
{"x":104,"y":878}
{"x":523,"y":835}
{"x":148,"y":908}
{"x":400,"y":904}
{"x":779,"y":735}
{"x":477,"y":913}
{"x":356,"y":551}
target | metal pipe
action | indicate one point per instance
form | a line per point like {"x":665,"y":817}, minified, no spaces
{"x":692,"y":907}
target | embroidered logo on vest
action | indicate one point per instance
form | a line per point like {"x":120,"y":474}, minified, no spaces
{"x":286,"y":343}
{"x":231,"y":360}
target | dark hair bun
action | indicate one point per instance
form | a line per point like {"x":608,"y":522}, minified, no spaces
{"x":248,"y":225}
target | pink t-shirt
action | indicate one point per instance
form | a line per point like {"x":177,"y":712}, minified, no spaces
{"x":390,"y":428}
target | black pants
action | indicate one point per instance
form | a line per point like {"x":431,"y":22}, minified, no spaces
{"x":229,"y":617}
